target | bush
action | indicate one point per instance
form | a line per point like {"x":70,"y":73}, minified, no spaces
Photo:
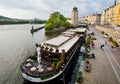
{"x":49,"y":26}
{"x":103,"y":32}
{"x":67,"y":24}
{"x":113,"y":41}
{"x":79,"y":76}
{"x":32,"y":57}
{"x":106,"y":34}
{"x":110,"y":39}
{"x":58,"y":65}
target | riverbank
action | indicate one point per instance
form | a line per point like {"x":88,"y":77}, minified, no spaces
{"x":101,"y":70}
{"x":56,"y":30}
{"x":115,"y":34}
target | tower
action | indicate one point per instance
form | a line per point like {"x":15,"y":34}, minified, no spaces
{"x":75,"y":17}
{"x":115,"y":2}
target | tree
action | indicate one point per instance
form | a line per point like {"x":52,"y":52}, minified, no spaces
{"x":56,"y":20}
{"x":49,"y":26}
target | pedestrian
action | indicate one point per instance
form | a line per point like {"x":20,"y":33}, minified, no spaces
{"x":112,"y":47}
{"x":106,"y":42}
{"x":101,"y":46}
{"x":92,"y":45}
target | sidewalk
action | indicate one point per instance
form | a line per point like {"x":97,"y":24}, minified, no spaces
{"x":101,"y":71}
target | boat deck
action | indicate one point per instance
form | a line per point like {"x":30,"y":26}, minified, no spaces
{"x":35,"y":70}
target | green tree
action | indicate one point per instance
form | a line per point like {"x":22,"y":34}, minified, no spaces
{"x":49,"y":26}
{"x":56,"y":20}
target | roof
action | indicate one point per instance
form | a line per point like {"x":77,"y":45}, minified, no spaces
{"x":75,"y":9}
{"x":78,"y":30}
{"x":56,"y":42}
{"x":61,"y":42}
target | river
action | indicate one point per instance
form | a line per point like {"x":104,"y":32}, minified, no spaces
{"x":16,"y":42}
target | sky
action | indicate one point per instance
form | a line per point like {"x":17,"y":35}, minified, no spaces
{"x":29,"y":9}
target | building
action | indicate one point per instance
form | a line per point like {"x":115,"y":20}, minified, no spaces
{"x":107,"y":16}
{"x":116,"y":15}
{"x":93,"y":19}
{"x":111,"y":15}
{"x":75,"y":17}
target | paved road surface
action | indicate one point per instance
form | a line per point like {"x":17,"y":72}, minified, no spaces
{"x":102,"y":71}
{"x":112,"y":57}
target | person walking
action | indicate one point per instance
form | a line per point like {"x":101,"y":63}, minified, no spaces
{"x":105,"y":42}
{"x":92,"y":45}
{"x":101,"y":46}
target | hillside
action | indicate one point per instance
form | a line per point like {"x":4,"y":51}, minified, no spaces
{"x":2,"y":17}
{"x":7,"y":20}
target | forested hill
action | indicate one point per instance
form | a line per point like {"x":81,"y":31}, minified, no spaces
{"x":2,"y":17}
{"x":7,"y":20}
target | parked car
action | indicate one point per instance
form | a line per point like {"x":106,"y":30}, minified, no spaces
{"x":105,"y":36}
{"x":117,"y":27}
{"x":90,"y":55}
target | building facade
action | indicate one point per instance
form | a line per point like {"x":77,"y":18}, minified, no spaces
{"x":116,"y":14}
{"x":111,"y":15}
{"x":75,"y":17}
{"x":93,"y":19}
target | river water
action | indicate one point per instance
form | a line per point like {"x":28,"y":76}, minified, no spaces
{"x":16,"y":42}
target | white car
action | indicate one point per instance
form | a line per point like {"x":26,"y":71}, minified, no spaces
{"x":117,"y":27}
{"x":105,"y":36}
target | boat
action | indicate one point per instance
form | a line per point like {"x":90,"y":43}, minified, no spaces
{"x":56,"y":57}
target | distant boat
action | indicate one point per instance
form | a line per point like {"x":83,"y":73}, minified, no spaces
{"x":56,"y":54}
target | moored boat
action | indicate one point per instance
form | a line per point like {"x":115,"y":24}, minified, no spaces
{"x":56,"y":55}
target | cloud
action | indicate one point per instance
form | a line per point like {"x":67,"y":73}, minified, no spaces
{"x":43,"y":8}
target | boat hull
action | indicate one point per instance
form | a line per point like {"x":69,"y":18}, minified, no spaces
{"x":57,"y":76}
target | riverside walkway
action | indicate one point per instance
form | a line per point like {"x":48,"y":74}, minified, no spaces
{"x":105,"y":70}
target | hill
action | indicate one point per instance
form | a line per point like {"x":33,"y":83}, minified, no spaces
{"x":7,"y":20}
{"x":2,"y":17}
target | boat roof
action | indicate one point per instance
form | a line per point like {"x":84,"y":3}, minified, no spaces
{"x":79,"y":30}
{"x":61,"y":42}
{"x":69,"y":44}
{"x":56,"y":42}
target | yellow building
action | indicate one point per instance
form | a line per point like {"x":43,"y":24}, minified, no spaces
{"x":111,"y":15}
{"x":93,"y":19}
{"x":116,"y":14}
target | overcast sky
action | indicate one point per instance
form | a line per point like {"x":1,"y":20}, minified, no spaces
{"x":29,"y":9}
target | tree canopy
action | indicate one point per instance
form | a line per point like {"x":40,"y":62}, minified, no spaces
{"x":56,"y":20}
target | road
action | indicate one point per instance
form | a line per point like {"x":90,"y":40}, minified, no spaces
{"x":105,"y":69}
{"x":111,"y":55}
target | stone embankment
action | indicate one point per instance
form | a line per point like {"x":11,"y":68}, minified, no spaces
{"x":101,"y":69}
{"x":110,"y":31}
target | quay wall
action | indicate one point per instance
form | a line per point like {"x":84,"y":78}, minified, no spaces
{"x":110,"y":31}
